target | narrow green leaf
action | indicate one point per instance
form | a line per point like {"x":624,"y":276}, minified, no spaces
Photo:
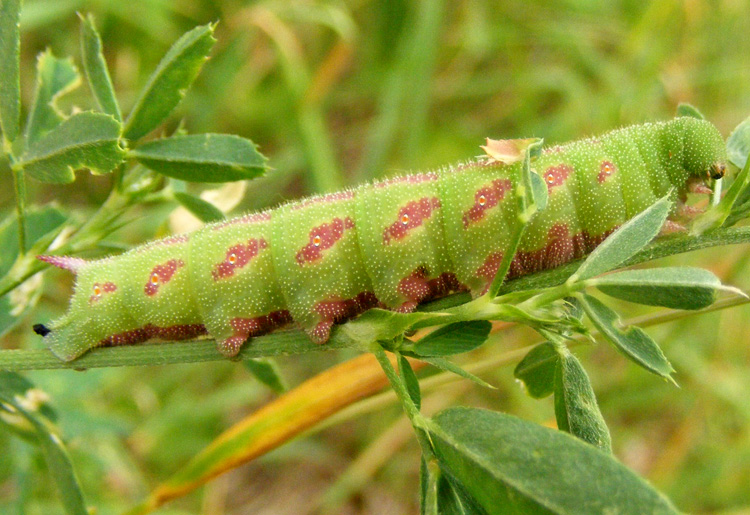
{"x":576,"y":409}
{"x":10,"y":86}
{"x":539,"y":191}
{"x":671,"y":287}
{"x":428,"y":488}
{"x":54,"y":78}
{"x":625,"y":241}
{"x":410,"y":380}
{"x":19,"y":387}
{"x":454,"y":499}
{"x":204,"y":210}
{"x":510,"y":465}
{"x":59,"y":464}
{"x":454,"y":339}
{"x":95,"y":68}
{"x":169,"y":82}
{"x":40,"y":222}
{"x":267,"y":372}
{"x":537,"y":370}
{"x":633,"y":342}
{"x":685,"y":109}
{"x":203,"y":157}
{"x":85,"y":140}
{"x":449,"y":366}
{"x":738,"y":144}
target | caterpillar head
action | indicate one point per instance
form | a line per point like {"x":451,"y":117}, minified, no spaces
{"x":92,"y":310}
{"x":703,"y":144}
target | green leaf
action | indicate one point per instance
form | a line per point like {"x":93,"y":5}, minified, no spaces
{"x":42,"y":226}
{"x":633,"y":342}
{"x":738,"y":144}
{"x":454,"y":499}
{"x":203,"y":157}
{"x":537,"y":370}
{"x":10,"y":86}
{"x":625,"y":241}
{"x":169,"y":82}
{"x":54,"y":78}
{"x":449,"y":366}
{"x":20,"y":387}
{"x":267,"y":372}
{"x":539,"y":191}
{"x":671,"y":287}
{"x":510,"y":465}
{"x":428,"y":488}
{"x":685,"y":109}
{"x":85,"y":140}
{"x":40,"y":222}
{"x":202,"y":209}
{"x":95,"y":68}
{"x":576,"y":409}
{"x":49,"y":440}
{"x":410,"y":380}
{"x":453,"y":339}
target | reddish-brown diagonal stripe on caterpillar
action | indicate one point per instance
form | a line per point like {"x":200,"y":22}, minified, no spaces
{"x":150,"y":331}
{"x":418,"y":287}
{"x":337,"y":311}
{"x":486,"y":198}
{"x":238,"y":256}
{"x":323,"y":237}
{"x":161,"y":274}
{"x":245,"y":328}
{"x":561,"y":248}
{"x":411,"y":216}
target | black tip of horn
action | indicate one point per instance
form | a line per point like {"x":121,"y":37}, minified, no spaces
{"x":41,"y":329}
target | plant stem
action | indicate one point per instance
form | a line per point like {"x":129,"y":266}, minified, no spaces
{"x":416,"y":418}
{"x":20,"y":189}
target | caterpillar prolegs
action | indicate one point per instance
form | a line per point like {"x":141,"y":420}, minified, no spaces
{"x":393,"y":244}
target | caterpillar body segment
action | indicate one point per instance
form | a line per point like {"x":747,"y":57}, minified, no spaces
{"x":391,"y":244}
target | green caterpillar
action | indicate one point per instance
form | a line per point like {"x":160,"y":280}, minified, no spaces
{"x":393,"y":244}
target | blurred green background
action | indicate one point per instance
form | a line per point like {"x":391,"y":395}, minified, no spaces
{"x":340,"y":92}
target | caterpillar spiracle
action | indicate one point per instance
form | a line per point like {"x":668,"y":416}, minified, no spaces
{"x":396,"y":243}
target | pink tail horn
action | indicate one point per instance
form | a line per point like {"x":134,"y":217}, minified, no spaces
{"x":74,"y":264}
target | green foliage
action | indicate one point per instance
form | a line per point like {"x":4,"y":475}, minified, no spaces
{"x":453,"y":339}
{"x":633,"y":341}
{"x":202,"y":157}
{"x":19,"y":402}
{"x":629,"y":239}
{"x":85,"y":140}
{"x":671,"y":287}
{"x":474,"y":461}
{"x":95,"y":67}
{"x":510,"y":465}
{"x":204,"y":211}
{"x":576,"y":409}
{"x":267,"y":372}
{"x":10,"y":94}
{"x":55,"y":77}
{"x":537,"y":370}
{"x":167,"y":85}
